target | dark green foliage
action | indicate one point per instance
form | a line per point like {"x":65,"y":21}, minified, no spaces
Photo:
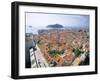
{"x":56,"y":52}
{"x":38,"y":41}
{"x":78,"y":52}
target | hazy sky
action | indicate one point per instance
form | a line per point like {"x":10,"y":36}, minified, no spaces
{"x":37,"y":20}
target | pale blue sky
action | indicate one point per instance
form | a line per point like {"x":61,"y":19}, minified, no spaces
{"x":41,"y":20}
